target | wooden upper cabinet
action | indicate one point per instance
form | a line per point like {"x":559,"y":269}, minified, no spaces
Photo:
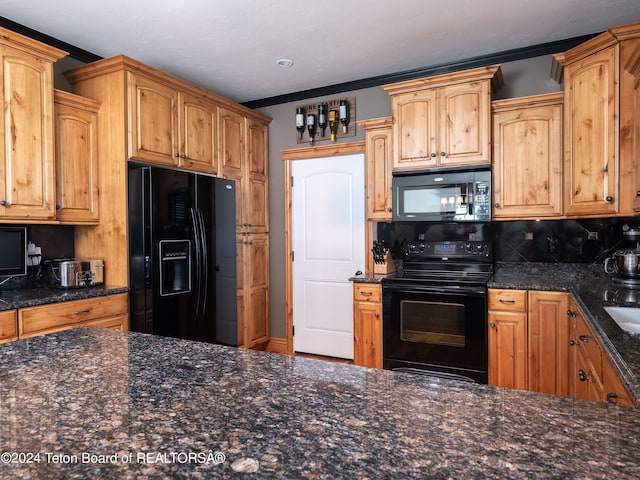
{"x":76,"y":158}
{"x":232,"y":143}
{"x":632,"y":69}
{"x":198,"y":134}
{"x":527,"y":157}
{"x":256,"y":185}
{"x":443,"y":120}
{"x":464,"y":121}
{"x":379,"y":164}
{"x":153,"y":134}
{"x":26,"y":128}
{"x":591,"y":134}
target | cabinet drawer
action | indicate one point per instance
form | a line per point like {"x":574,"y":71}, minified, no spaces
{"x":367,"y":292}
{"x":59,"y":316}
{"x":8,"y":326}
{"x":508,"y":300}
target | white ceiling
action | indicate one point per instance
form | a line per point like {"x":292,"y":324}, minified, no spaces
{"x":231,"y":46}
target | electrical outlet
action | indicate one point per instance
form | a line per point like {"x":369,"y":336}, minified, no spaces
{"x":472,"y":236}
{"x":592,"y":235}
{"x":528,"y":235}
{"x":421,"y":236}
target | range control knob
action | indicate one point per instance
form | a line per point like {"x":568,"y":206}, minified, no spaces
{"x":480,"y":247}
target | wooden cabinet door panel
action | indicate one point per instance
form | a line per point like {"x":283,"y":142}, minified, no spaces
{"x":153,"y":130}
{"x":255,"y":183}
{"x":8,"y":326}
{"x":379,"y":164}
{"x":367,"y":348}
{"x":76,"y":159}
{"x":591,"y":119}
{"x":28,"y":190}
{"x":464,"y":124}
{"x":508,"y":349}
{"x":548,"y":342}
{"x":232,"y":143}
{"x":527,"y":162}
{"x":198,"y":135}
{"x":415,"y":117}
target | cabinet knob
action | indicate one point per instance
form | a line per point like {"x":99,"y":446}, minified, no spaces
{"x":389,"y":209}
{"x":572,"y":342}
{"x":582,"y":376}
{"x":183,"y":156}
{"x":4,"y":203}
{"x":571,"y":313}
{"x":377,"y":315}
{"x":433,"y":154}
{"x":492,"y":324}
{"x":609,"y":198}
{"x":583,"y":338}
{"x":497,"y":205}
{"x":443,"y":154}
{"x":638,"y":193}
{"x":177,"y":155}
{"x":58,"y":207}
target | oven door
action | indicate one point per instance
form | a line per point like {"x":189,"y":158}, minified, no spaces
{"x":442,"y":329}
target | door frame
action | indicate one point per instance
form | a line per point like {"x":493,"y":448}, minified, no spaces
{"x":294,"y":154}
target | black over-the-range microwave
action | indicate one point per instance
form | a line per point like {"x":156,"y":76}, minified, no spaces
{"x":442,"y":195}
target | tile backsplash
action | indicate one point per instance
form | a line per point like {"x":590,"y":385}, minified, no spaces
{"x":554,"y":241}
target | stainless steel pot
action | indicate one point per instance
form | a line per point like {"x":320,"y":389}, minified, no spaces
{"x":626,"y":263}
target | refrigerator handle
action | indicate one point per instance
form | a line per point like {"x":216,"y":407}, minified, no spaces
{"x":198,"y":269}
{"x":205,"y":261}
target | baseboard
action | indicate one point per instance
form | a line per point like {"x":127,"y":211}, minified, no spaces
{"x":277,"y":345}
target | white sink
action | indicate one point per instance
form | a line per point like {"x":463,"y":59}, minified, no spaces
{"x":627,"y":317}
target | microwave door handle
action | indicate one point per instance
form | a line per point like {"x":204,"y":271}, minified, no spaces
{"x":470,"y":197}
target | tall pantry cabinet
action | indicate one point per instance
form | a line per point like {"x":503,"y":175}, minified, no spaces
{"x":153,"y":117}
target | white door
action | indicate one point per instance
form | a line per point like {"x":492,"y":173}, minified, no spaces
{"x":328,"y":236}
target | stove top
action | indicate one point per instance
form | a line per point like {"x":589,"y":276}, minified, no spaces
{"x":447,"y":262}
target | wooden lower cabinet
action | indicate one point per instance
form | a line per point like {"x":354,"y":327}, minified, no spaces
{"x":108,"y":311}
{"x":592,"y":376}
{"x":547,"y":342}
{"x":367,"y":324}
{"x":253,"y":290}
{"x":540,"y":341}
{"x":8,"y":326}
{"x":507,"y":338}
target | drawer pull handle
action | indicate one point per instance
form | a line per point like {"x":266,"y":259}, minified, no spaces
{"x":611,"y":397}
{"x":82,"y":312}
{"x":502,"y":300}
{"x":366,"y":294}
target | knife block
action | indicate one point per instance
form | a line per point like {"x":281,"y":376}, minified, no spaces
{"x":386,"y":267}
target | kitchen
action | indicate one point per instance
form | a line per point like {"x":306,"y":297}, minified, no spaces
{"x":301,"y":370}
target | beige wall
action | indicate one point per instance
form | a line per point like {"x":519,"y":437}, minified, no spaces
{"x":522,"y":77}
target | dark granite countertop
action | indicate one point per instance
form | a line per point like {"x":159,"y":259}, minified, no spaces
{"x":31,"y":297}
{"x":592,"y":289}
{"x":97,"y":403}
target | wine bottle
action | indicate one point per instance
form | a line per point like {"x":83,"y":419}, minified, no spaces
{"x":300,"y":122}
{"x":333,"y":124}
{"x":344,"y":115}
{"x":322,"y":117}
{"x":311,"y":127}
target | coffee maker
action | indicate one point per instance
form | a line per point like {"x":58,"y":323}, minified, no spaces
{"x":624,"y":264}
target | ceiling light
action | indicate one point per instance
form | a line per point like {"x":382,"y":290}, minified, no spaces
{"x":285,"y":62}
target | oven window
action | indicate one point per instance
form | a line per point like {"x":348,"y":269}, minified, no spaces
{"x":436,"y":323}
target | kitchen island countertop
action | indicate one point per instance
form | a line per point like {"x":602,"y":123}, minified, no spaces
{"x":97,"y":403}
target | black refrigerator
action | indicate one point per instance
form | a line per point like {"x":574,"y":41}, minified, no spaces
{"x":182,"y":254}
